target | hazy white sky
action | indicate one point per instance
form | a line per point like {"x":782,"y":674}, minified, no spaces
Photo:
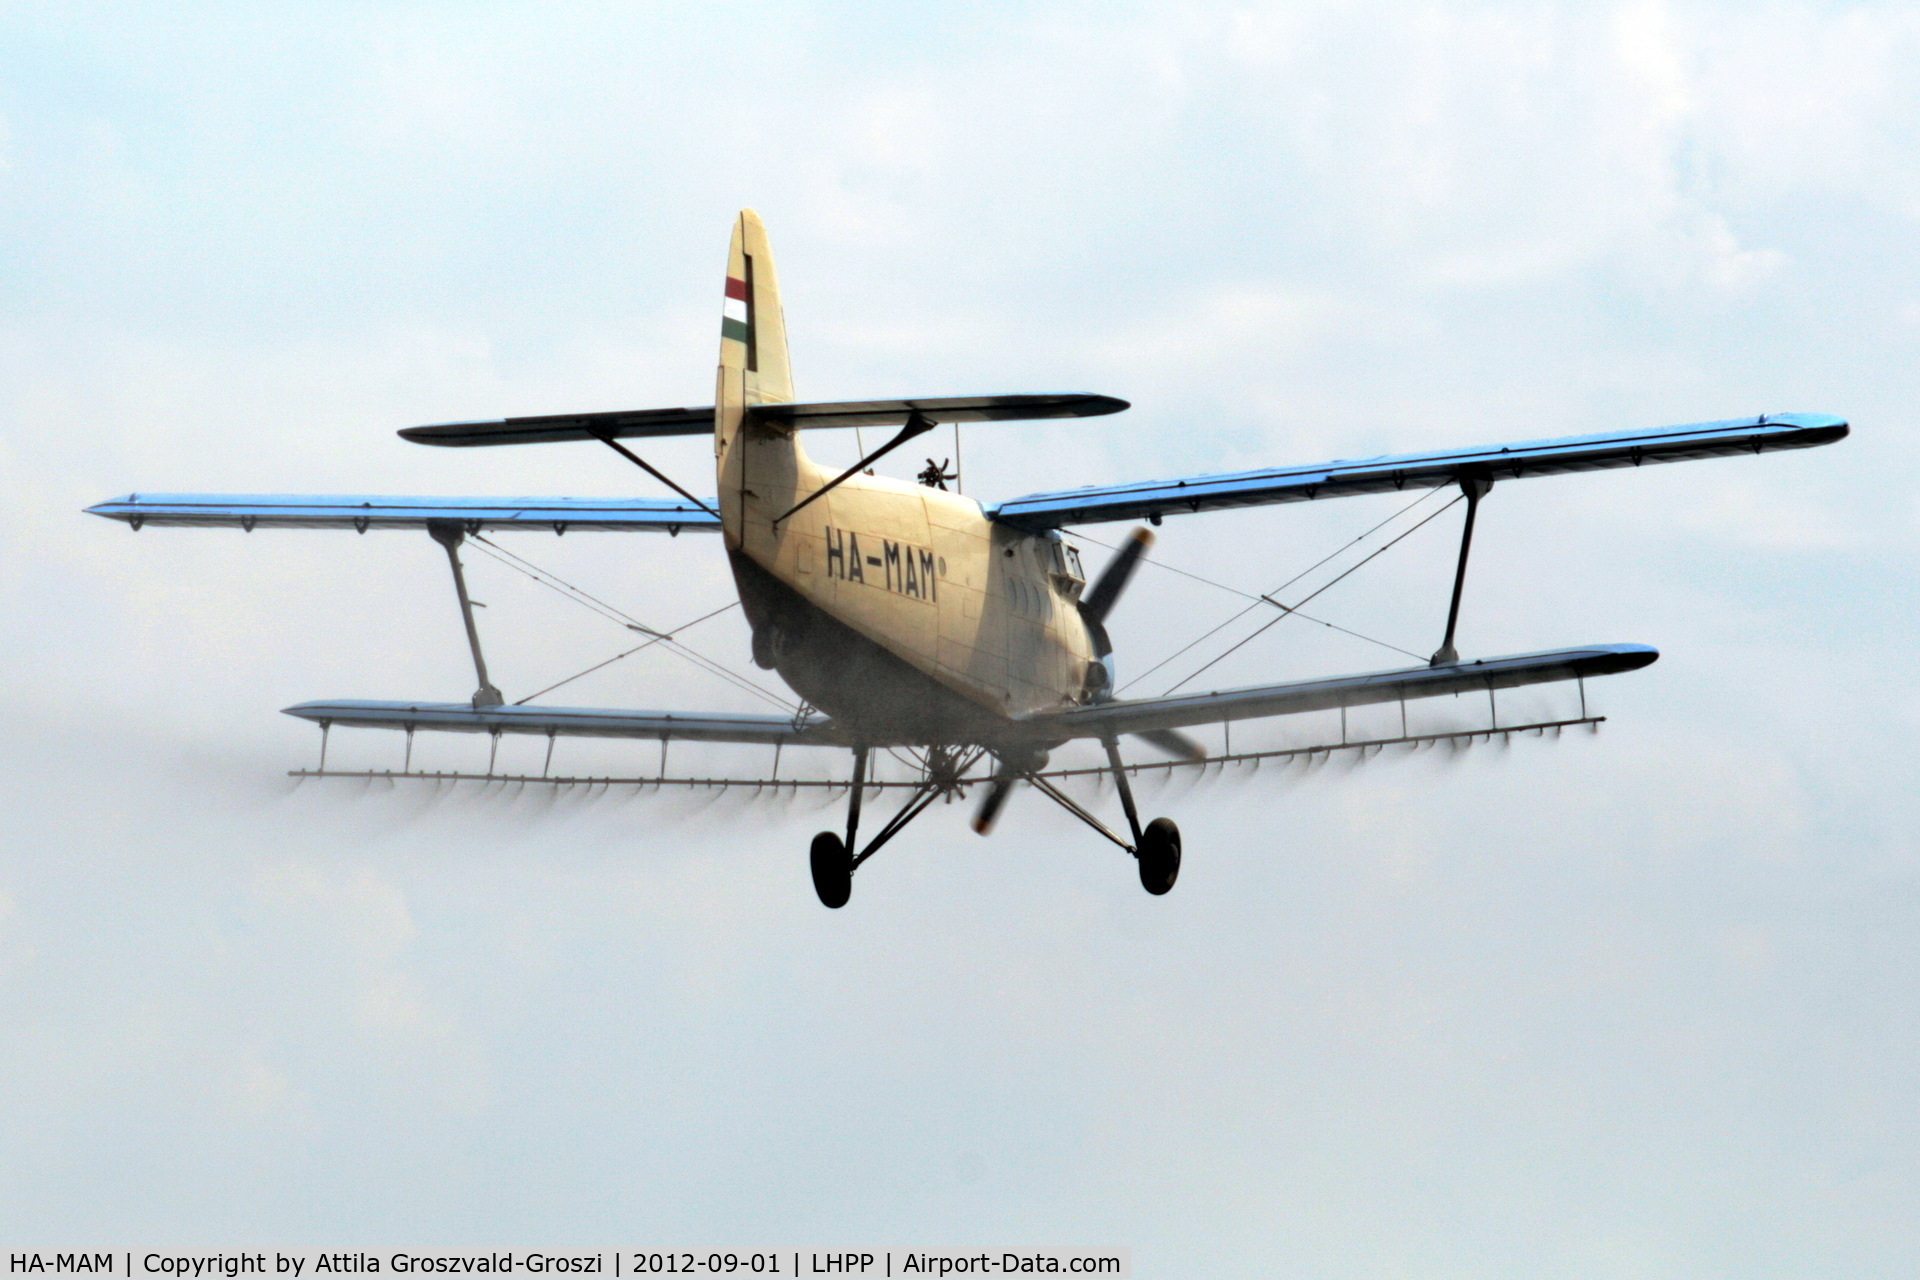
{"x":1635,"y":1005}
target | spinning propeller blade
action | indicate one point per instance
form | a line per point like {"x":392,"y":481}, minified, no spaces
{"x":1174,"y":743}
{"x":1098,"y":602}
{"x":990,"y":804}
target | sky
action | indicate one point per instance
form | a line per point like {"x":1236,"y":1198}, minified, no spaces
{"x":1637,"y":1003}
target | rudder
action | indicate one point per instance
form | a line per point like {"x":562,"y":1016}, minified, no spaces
{"x":753,"y":333}
{"x":753,"y":356}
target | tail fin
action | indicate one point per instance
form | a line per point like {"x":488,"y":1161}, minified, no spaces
{"x":753,"y":370}
{"x":753,"y":333}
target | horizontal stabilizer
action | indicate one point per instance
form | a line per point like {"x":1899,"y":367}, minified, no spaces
{"x":570,"y":722}
{"x":640,"y":423}
{"x":362,"y":512}
{"x":1153,"y":499}
{"x":1147,"y":716}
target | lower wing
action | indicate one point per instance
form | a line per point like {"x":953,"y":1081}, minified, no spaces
{"x":1151,"y":718}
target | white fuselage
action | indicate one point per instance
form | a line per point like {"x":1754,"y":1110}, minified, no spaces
{"x":978,"y":610}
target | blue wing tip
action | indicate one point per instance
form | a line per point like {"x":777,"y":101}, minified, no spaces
{"x":1826,"y":427}
{"x":1631,"y":657}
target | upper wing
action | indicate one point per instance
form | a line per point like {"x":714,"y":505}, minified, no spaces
{"x":699,"y":421}
{"x":1151,"y":715}
{"x":363,"y":512}
{"x":576,"y":722}
{"x":1154,"y":498}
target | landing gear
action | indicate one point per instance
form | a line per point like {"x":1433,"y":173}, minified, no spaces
{"x":1156,"y":850}
{"x":1159,"y":856}
{"x":833,"y":870}
{"x":833,"y":859}
{"x":1155,"y":847}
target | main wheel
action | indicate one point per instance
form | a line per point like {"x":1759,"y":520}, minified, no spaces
{"x":1159,"y":856}
{"x":833,"y":870}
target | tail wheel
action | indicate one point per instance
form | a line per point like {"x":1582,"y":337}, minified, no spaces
{"x":1159,"y":857}
{"x":833,"y":869}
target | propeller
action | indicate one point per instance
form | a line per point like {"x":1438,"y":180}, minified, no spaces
{"x":1095,"y":604}
{"x":1094,"y":607}
{"x":990,"y":804}
{"x":1098,"y":602}
{"x":1099,"y":599}
{"x":935,"y":474}
{"x":1010,"y":767}
{"x":1174,"y":743}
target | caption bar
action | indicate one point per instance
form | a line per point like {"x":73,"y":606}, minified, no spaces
{"x":796,"y":1264}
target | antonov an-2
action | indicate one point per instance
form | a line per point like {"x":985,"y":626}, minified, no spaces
{"x":911,"y":617}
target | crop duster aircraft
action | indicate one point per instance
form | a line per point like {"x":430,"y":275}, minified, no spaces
{"x":913,"y":618}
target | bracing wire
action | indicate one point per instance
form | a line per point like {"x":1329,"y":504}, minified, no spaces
{"x":1268,"y":599}
{"x":1288,"y":610}
{"x":645,"y":644}
{"x":613,"y":613}
{"x":1244,"y":595}
{"x":553,"y":580}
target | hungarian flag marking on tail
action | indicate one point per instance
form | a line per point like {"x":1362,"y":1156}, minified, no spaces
{"x":735,"y":318}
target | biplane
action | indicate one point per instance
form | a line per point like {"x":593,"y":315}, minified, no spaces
{"x":910,"y":618}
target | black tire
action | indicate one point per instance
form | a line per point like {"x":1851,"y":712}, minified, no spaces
{"x":833,"y":870}
{"x":1159,"y":856}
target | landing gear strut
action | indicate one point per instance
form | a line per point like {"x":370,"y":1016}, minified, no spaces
{"x":1156,"y":847}
{"x":832,"y":859}
{"x":1156,"y":850}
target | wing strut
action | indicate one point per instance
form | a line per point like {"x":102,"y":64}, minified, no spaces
{"x":918,"y":424}
{"x":1475,"y":487}
{"x":606,"y":437}
{"x":450,"y":534}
